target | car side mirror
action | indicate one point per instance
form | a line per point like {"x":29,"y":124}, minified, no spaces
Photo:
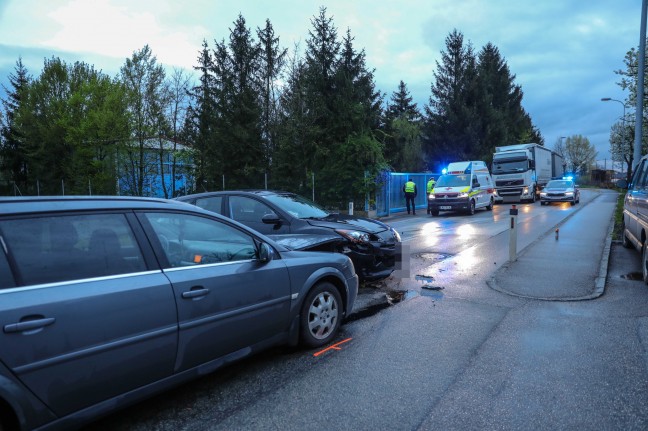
{"x":622,"y":184}
{"x":271,"y":218}
{"x":265,"y":253}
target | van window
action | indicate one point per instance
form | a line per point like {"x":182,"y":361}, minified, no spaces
{"x":639,"y":179}
{"x":63,"y":248}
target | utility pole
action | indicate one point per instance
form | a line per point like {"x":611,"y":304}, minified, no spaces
{"x":640,"y":85}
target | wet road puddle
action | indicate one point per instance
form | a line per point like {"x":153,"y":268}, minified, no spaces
{"x":432,"y":256}
{"x":427,"y":282}
{"x":633,"y":276}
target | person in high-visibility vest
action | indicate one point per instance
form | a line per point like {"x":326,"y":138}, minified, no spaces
{"x":410,"y":193}
{"x":429,"y":188}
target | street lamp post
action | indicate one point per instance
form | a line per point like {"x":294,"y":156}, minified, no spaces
{"x":608,"y":99}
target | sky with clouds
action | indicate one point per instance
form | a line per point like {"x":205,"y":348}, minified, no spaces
{"x":562,"y":52}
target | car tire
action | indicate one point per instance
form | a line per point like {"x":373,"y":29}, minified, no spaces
{"x":625,"y":242}
{"x":471,"y":209}
{"x":644,"y":261}
{"x":321,"y":315}
{"x":572,"y":202}
{"x":490,"y":206}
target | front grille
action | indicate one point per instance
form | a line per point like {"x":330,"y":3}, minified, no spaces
{"x":556,"y":195}
{"x":504,"y":183}
{"x":509,"y":192}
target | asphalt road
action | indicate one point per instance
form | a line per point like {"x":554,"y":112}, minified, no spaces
{"x":459,"y":356}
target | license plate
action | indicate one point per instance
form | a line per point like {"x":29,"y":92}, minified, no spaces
{"x":445,"y":208}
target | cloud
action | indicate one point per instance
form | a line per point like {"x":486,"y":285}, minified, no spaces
{"x":562,"y":52}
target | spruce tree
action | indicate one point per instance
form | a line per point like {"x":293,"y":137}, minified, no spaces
{"x":402,"y":132}
{"x":452,"y":122}
{"x":272,"y":59}
{"x":13,"y":160}
{"x":238,"y":108}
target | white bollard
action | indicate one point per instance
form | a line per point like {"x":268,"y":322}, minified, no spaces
{"x":350,"y":208}
{"x":513,"y":234}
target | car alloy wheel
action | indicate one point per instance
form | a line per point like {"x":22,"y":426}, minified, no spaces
{"x":321,"y":314}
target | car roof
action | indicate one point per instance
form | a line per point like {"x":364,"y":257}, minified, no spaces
{"x":255,"y":192}
{"x":37,"y":204}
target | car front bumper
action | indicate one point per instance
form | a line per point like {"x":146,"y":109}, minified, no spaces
{"x":557,"y":197}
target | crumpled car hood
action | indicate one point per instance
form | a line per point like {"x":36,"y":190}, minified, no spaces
{"x":343,"y":221}
{"x":304,"y":241}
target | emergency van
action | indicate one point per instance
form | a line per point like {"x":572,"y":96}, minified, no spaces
{"x":465,"y":186}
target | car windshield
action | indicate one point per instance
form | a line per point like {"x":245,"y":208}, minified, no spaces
{"x":453,"y":181}
{"x":559,"y":184}
{"x":297,"y":206}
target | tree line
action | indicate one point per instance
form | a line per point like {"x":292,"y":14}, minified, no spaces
{"x":254,"y":114}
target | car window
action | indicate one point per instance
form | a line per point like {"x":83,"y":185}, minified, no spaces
{"x":245,"y":209}
{"x":213,"y":204}
{"x":639,"y":181}
{"x":6,"y":277}
{"x":62,"y":248}
{"x":297,"y":206}
{"x":189,"y":240}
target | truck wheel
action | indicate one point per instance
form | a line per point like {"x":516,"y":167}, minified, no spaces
{"x":434,"y":213}
{"x":533,"y":197}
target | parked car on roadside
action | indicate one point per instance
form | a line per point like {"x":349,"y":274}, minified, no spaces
{"x":635,"y":213}
{"x":107,"y":300}
{"x":301,"y":224}
{"x":565,"y":190}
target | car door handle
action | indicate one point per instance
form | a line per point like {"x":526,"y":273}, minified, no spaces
{"x":195,"y":293}
{"x":29,"y":325}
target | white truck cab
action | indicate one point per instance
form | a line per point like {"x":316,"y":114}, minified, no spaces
{"x":465,"y":186}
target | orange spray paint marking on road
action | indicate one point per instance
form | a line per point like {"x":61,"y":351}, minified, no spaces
{"x":333,"y":347}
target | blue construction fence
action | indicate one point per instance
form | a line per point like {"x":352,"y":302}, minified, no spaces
{"x":390,"y":198}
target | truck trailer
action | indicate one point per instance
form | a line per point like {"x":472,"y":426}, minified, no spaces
{"x":521,"y":171}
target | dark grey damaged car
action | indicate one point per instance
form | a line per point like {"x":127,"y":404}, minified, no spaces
{"x":105,"y":301}
{"x":300,"y":224}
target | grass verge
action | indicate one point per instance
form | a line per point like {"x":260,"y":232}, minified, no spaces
{"x":618,"y":217}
